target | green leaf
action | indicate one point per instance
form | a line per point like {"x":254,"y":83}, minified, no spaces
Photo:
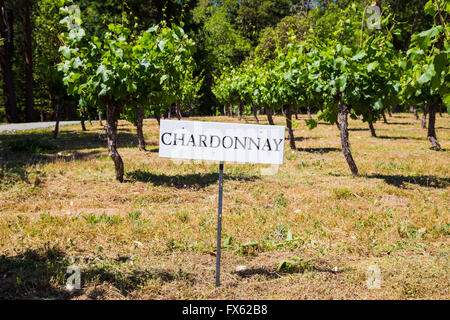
{"x":446,"y":100}
{"x":378,"y":105}
{"x":153,"y":29}
{"x":430,"y":8}
{"x":311,"y":124}
{"x":372,"y":66}
{"x":163,"y":78}
{"x":430,"y":33}
{"x":427,"y":75}
{"x":422,"y":40}
{"x":77,"y":62}
{"x":227,"y":242}
{"x":77,"y":34}
{"x":359,"y":56}
{"x":161,"y":44}
{"x":65,"y":52}
{"x":341,"y":82}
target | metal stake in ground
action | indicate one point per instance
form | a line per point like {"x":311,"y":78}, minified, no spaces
{"x":219,"y":225}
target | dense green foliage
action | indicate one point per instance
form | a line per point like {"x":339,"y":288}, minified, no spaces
{"x":129,"y":68}
{"x":345,"y":64}
{"x":226,"y":33}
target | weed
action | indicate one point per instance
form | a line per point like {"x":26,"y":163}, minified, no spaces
{"x":342,"y":193}
{"x":296,"y":266}
{"x":280,"y":201}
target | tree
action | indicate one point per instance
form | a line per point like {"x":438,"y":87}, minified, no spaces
{"x":426,"y":77}
{"x":357,"y":75}
{"x":124,"y":69}
{"x":6,"y":54}
{"x":29,"y":97}
{"x":347,"y":73}
{"x":98,"y":72}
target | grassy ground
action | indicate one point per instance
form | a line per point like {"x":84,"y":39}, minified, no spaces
{"x":308,"y":232}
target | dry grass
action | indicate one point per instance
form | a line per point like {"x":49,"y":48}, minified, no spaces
{"x":62,"y":207}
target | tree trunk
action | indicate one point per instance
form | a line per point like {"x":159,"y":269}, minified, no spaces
{"x":100,"y":119}
{"x":289,"y":126}
{"x":296,"y":113}
{"x":269,"y":116}
{"x":424,"y":117}
{"x":112,"y":116}
{"x":389,"y":112}
{"x":139,"y":126}
{"x":384,"y":118}
{"x":169,"y":113}
{"x":83,"y":125}
{"x":231,"y":110}
{"x":372,"y":129}
{"x":6,"y":54}
{"x":83,"y":119}
{"x":308,"y":110}
{"x":29,"y":98}
{"x":241,"y":110}
{"x":57,"y":117}
{"x":343,"y":127}
{"x":431,"y":128}
{"x":178,"y":108}
{"x":224,"y":110}
{"x":158,"y":119}
{"x":416,"y":113}
{"x":255,"y":113}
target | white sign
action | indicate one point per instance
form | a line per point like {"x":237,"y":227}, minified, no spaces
{"x":216,"y":141}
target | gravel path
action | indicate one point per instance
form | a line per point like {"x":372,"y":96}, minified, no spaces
{"x":33,"y":125}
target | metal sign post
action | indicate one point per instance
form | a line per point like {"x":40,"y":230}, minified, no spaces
{"x":219,"y":225}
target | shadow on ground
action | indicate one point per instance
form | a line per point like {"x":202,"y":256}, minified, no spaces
{"x":31,"y":275}
{"x":263,"y":272}
{"x":397,"y":138}
{"x":319,"y":150}
{"x":14,"y":169}
{"x":73,"y":140}
{"x":420,"y":180}
{"x":401,"y":123}
{"x":180,"y":181}
{"x":306,"y":138}
{"x":400,"y":181}
{"x":42,"y":274}
{"x":358,"y":129}
{"x":272,"y":273}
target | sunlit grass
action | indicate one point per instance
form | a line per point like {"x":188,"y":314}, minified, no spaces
{"x":154,"y":235}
